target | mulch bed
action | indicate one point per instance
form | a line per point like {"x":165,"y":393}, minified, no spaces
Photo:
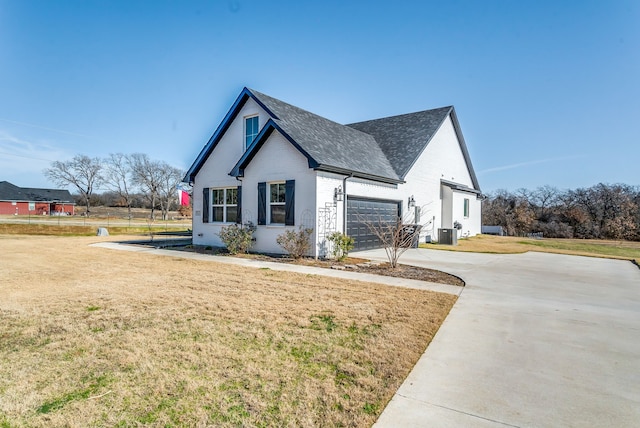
{"x":351,"y":263}
{"x":413,"y":272}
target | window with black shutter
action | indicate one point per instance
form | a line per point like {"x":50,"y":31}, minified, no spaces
{"x":262,"y":203}
{"x":290,"y":207}
{"x":205,"y":205}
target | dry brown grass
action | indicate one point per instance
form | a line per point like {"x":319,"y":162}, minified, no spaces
{"x":626,"y":250}
{"x":65,"y":230}
{"x":96,"y":337}
{"x":84,"y":227}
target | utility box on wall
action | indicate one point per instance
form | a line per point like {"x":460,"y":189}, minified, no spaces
{"x":448,"y":236}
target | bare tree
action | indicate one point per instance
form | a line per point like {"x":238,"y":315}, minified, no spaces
{"x":542,"y":199}
{"x":511,"y":211}
{"x":170,"y":178}
{"x":618,"y":210}
{"x":81,"y":172}
{"x":147,"y":175}
{"x":118,"y":177}
{"x":396,"y":236}
{"x":603,"y":211}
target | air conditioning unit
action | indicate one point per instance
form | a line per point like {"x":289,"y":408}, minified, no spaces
{"x":448,"y":236}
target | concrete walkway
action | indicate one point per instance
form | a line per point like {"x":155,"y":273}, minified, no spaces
{"x":534,"y":340}
{"x":379,"y":279}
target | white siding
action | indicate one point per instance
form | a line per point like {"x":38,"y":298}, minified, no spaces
{"x":326,"y":184}
{"x":471,"y":225}
{"x":278,"y":160}
{"x":442,"y":159}
{"x":446,"y":199}
{"x":329,"y":215}
{"x":215,"y":171}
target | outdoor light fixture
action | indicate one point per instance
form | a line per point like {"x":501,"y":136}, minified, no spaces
{"x":411,"y":202}
{"x":338,"y":194}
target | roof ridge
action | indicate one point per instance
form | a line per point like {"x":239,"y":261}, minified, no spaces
{"x":303,"y":110}
{"x":309,"y":128}
{"x":449,"y":107}
{"x":386,"y":146}
{"x":415,"y":135}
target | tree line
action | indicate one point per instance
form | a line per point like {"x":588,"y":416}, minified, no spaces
{"x":128,"y":176}
{"x":602,"y":211}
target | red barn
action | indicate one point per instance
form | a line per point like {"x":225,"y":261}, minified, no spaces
{"x":16,"y":200}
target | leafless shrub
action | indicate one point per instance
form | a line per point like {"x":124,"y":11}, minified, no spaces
{"x":296,"y":243}
{"x":396,"y":236}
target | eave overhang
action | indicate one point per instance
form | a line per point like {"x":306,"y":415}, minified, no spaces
{"x":222,"y":128}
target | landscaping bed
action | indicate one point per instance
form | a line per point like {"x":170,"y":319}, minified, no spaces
{"x":350,"y":263}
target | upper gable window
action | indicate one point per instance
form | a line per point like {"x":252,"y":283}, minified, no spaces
{"x":250,"y":130}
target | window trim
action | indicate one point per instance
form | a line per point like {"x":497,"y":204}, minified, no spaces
{"x":245,"y":133}
{"x":270,"y":203}
{"x":224,"y":205}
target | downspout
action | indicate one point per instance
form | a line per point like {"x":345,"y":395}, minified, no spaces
{"x":344,"y":207}
{"x":242,"y":220}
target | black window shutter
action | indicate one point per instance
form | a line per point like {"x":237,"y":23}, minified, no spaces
{"x":205,"y":205}
{"x":239,"y":215}
{"x":262,"y":203}
{"x":290,"y":199}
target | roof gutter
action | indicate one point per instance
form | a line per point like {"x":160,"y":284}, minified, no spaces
{"x":460,"y":187}
{"x":344,"y":207}
{"x":343,"y":171}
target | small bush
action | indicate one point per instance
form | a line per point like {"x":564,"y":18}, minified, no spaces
{"x":237,"y":239}
{"x":342,"y":244}
{"x":185,"y":211}
{"x":297,"y":244}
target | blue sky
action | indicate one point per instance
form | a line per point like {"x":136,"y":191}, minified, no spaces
{"x":547,"y":92}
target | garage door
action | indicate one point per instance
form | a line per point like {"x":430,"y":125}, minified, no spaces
{"x":361,"y":212}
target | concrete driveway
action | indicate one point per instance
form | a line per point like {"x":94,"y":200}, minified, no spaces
{"x":534,"y":340}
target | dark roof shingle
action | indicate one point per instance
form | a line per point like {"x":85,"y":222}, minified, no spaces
{"x":403,"y":138}
{"x":10,"y":192}
{"x":382,"y":149}
{"x":330,"y":143}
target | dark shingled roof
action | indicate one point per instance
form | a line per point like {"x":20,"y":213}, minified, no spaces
{"x":382,"y":149}
{"x":403,"y":138}
{"x":329,"y":143}
{"x":10,"y":192}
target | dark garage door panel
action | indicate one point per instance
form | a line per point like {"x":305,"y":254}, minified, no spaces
{"x":362,"y":211}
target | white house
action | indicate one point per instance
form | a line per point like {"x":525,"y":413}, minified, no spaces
{"x":281,"y":167}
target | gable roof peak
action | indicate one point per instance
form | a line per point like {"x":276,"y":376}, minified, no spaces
{"x":444,"y":109}
{"x":326,"y":144}
{"x":404,"y":137}
{"x":391,"y":144}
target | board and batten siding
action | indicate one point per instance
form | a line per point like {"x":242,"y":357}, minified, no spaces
{"x":215,"y":172}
